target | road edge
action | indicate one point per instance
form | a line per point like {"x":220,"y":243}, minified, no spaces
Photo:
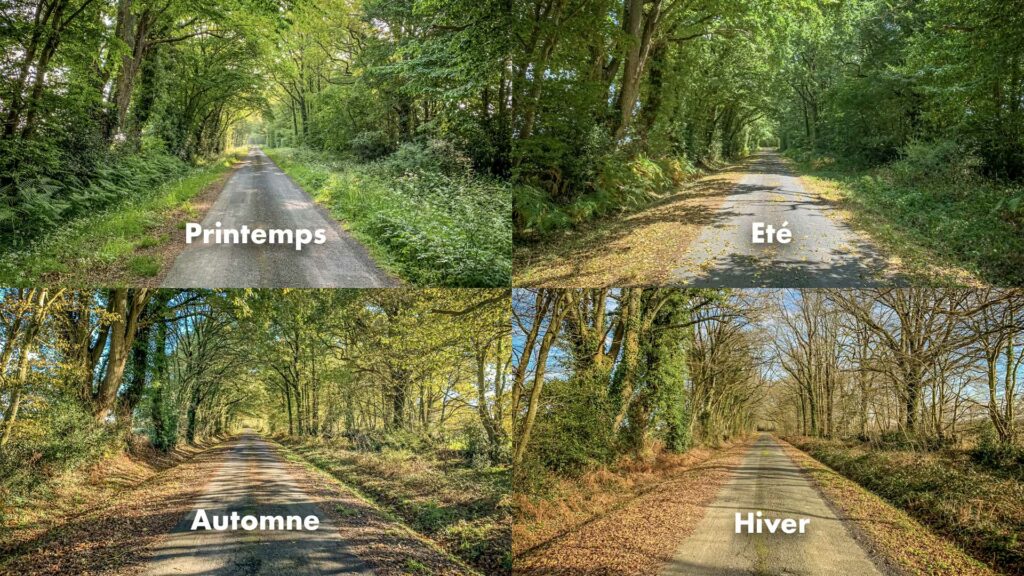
{"x":307,"y":472}
{"x":862,"y":515}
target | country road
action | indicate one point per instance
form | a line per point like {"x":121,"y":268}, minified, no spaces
{"x":767,"y":480}
{"x":259,"y":195}
{"x":824,"y":251}
{"x":253,"y":480}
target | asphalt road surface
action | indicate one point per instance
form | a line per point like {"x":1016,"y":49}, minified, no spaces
{"x":767,"y":480}
{"x":260,"y":195}
{"x":823,"y":252}
{"x":254,"y":481}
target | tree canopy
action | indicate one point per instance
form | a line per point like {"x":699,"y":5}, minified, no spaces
{"x":102,"y":99}
{"x":616,"y":101}
{"x":406,"y":369}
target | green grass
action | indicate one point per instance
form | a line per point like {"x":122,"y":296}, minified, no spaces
{"x":981,"y":511}
{"x":426,"y":226}
{"x":85,"y":248}
{"x":937,"y":226}
{"x":460,"y":507}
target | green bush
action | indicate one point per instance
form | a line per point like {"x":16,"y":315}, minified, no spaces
{"x":370,"y":145}
{"x":575,"y":436}
{"x":37,"y":200}
{"x":938,"y":160}
{"x":437,"y":156}
{"x":534,"y":213}
{"x":65,"y":438}
{"x":999,"y":456}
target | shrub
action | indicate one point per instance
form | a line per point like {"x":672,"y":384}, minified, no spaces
{"x":937,"y":160}
{"x":371,"y":145}
{"x":533,"y":212}
{"x":66,"y":438}
{"x":574,"y":437}
{"x":437,"y":156}
{"x":999,"y":456}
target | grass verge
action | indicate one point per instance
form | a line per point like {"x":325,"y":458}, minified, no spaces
{"x":429,"y":227}
{"x":922,"y":511}
{"x":120,"y":246}
{"x":461,"y":508}
{"x":943,"y":231}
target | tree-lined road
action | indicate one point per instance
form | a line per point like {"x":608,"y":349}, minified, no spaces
{"x":767,"y":480}
{"x":261,"y":196}
{"x":253,"y":481}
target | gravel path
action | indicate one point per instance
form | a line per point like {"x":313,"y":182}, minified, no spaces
{"x":259,"y":195}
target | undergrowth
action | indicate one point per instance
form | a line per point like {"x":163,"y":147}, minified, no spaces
{"x":617,"y":184}
{"x":101,"y":239}
{"x":931,"y":207}
{"x":421,"y":211}
{"x":462,"y":507}
{"x":948,"y":491}
{"x":34,"y":202}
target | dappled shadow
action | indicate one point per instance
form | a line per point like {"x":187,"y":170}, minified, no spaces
{"x":111,"y":534}
{"x":573,"y":258}
{"x":824,"y":250}
{"x":254,"y":482}
{"x":746,"y":271}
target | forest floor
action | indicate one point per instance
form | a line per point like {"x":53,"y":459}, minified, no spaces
{"x":462,"y":508}
{"x":702,"y":236}
{"x":144,"y":528}
{"x":682,"y":523}
{"x":622,"y":523}
{"x":97,"y":521}
{"x":260,"y":195}
{"x":634,"y":249}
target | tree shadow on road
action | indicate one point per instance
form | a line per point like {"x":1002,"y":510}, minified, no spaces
{"x":626,"y":249}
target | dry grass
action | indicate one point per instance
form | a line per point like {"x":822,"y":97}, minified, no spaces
{"x":907,"y":546}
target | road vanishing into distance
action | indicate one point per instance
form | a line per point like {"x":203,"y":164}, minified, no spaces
{"x":767,"y":480}
{"x":253,"y":480}
{"x":261,"y":196}
{"x":824,"y":250}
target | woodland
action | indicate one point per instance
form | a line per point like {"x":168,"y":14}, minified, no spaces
{"x":397,"y":105}
{"x":914,"y":110}
{"x":411,"y":386}
{"x":915,"y":394}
